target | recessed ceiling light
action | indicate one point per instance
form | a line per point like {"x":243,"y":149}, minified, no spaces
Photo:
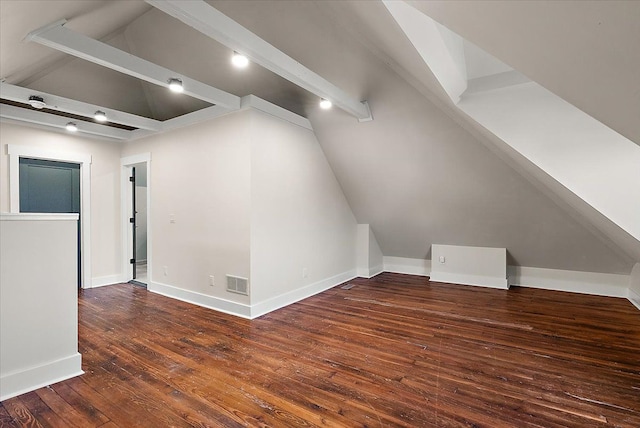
{"x":325,"y":104}
{"x":176,"y":85}
{"x":72,"y":127}
{"x":100,"y":116}
{"x":239,"y":60}
{"x":37,"y":101}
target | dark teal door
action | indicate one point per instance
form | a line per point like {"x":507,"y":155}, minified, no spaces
{"x":50,"y":187}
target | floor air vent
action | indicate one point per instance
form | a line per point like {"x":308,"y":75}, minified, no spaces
{"x":236,"y":284}
{"x":347,"y":286}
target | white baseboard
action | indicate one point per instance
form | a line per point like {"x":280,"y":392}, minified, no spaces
{"x":599,"y":284}
{"x":464,"y":279}
{"x":370,"y":272}
{"x":634,"y":298}
{"x":376,"y":270}
{"x":285,"y":299}
{"x":30,"y":379}
{"x":420,"y":267}
{"x":211,"y":302}
{"x":101,"y":281}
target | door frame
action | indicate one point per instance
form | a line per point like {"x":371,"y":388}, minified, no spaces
{"x":125,"y":203}
{"x":16,"y":152}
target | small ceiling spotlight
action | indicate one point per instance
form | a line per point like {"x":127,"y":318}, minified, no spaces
{"x":239,"y":60}
{"x":100,"y":116}
{"x":71,"y":127}
{"x":325,"y":104}
{"x":176,"y":85}
{"x":37,"y":101}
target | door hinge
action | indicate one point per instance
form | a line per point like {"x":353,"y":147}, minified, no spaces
{"x":132,"y":261}
{"x":132,"y":179}
{"x":132,"y":220}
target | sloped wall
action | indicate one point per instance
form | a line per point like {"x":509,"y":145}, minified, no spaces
{"x":303,"y":233}
{"x":418,"y":178}
{"x":413,"y":173}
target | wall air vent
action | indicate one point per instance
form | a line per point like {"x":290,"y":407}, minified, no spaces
{"x":236,"y":284}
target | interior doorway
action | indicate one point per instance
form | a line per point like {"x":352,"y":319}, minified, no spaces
{"x":139,"y":223}
{"x":136,"y":230}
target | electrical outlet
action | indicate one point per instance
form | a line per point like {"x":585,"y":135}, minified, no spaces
{"x":172,"y":218}
{"x":305,"y":272}
{"x":212,"y":281}
{"x":442,"y":259}
{"x":165,"y":270}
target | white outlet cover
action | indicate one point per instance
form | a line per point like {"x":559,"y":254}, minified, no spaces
{"x":442,"y":259}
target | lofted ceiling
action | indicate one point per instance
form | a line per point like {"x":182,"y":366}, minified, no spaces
{"x":417,"y":170}
{"x":594,"y":66}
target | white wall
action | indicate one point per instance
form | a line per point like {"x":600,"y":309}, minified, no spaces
{"x":376,"y":258}
{"x":369,"y":257}
{"x":105,"y":187}
{"x":38,"y":301}
{"x":200,"y":177}
{"x":301,"y":222}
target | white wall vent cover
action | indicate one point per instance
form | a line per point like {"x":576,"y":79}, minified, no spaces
{"x":483,"y":266}
{"x":236,"y":284}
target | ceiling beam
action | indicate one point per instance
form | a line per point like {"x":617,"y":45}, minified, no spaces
{"x":58,"y":37}
{"x":50,"y":120}
{"x":67,"y":105}
{"x":209,"y":21}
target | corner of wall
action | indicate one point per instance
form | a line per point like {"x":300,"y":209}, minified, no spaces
{"x":369,"y":257}
{"x":634,"y":286}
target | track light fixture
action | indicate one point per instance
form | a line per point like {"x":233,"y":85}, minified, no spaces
{"x":100,"y":116}
{"x":239,"y":60}
{"x":325,"y":104}
{"x":175,"y":85}
{"x":37,"y":101}
{"x":71,"y":127}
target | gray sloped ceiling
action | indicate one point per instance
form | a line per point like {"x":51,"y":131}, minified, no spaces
{"x":414,"y":173}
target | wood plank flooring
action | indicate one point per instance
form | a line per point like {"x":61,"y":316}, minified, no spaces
{"x":396,"y":350}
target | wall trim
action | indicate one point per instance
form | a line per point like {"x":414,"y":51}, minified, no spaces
{"x":38,"y":217}
{"x":294,"y":296}
{"x":375,"y":270}
{"x":101,"y":281}
{"x":204,"y":300}
{"x":599,"y":284}
{"x":405,"y":265}
{"x":634,"y":298}
{"x":465,"y":279}
{"x":20,"y":382}
{"x":369,"y":273}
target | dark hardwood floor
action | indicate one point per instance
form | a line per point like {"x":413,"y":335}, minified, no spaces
{"x":396,"y":350}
